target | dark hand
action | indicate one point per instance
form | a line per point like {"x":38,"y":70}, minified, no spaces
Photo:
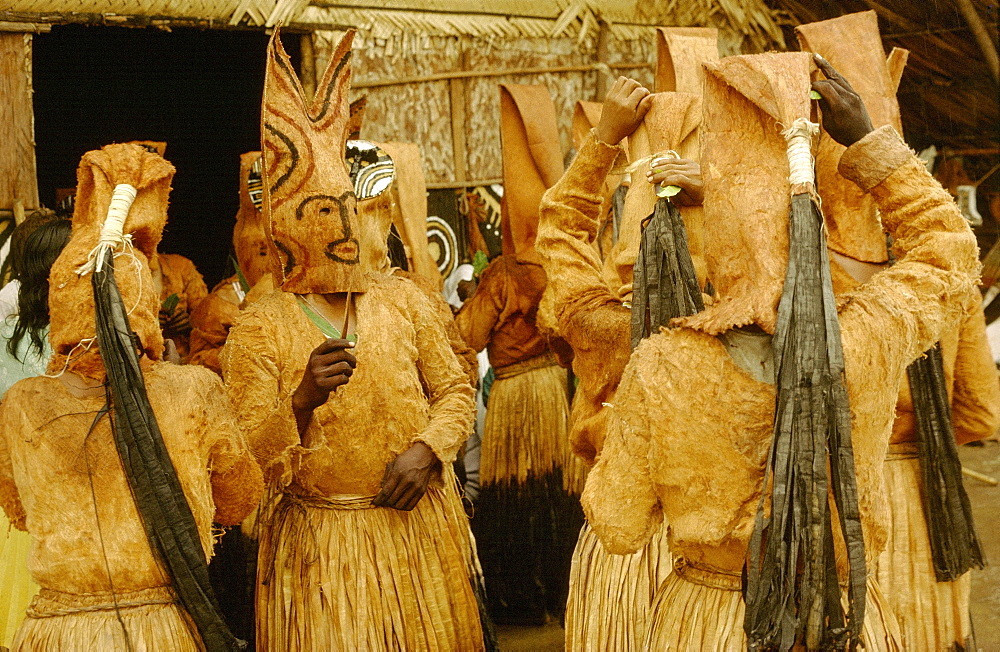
{"x":330,"y":365}
{"x":624,"y":109}
{"x":406,"y":477}
{"x":845,"y":117}
{"x":682,"y":173}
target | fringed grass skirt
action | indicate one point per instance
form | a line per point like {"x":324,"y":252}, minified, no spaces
{"x":932,"y":615}
{"x":16,"y":586}
{"x":89,"y":623}
{"x":338,"y":574}
{"x":611,"y":596}
{"x":703,"y":610}
{"x":526,"y":433}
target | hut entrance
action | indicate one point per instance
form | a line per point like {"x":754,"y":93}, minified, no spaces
{"x":197,"y":90}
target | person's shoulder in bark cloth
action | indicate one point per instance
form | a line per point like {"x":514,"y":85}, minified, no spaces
{"x":64,"y":461}
{"x":212,"y":318}
{"x":691,"y":425}
{"x":352,"y":401}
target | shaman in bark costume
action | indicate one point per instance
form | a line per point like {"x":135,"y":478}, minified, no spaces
{"x":216,"y":314}
{"x":610,"y":595}
{"x":180,"y":283}
{"x":702,"y":425}
{"x":342,"y":563}
{"x":117,"y":463}
{"x":528,"y":508}
{"x":924,"y":569}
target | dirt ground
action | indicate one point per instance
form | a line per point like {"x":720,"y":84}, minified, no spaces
{"x":985,"y":583}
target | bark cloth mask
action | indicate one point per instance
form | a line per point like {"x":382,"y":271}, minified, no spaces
{"x":853,"y":45}
{"x":309,"y":203}
{"x":253,"y":250}
{"x":103,"y":176}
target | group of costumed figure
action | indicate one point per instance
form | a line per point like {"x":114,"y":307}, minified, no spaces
{"x":733,"y":353}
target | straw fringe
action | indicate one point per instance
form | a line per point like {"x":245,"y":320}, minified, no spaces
{"x":154,"y":623}
{"x":932,"y":615}
{"x":611,"y":596}
{"x":366,"y":579}
{"x":688,"y":615}
{"x":527,"y":432}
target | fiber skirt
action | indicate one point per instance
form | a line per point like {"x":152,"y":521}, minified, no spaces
{"x":611,"y":596}
{"x":90,"y":623}
{"x":16,"y":586}
{"x":703,"y":610}
{"x":932,"y":615}
{"x":338,"y":574}
{"x":527,"y":432}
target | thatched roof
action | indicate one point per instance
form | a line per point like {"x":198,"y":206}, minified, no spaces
{"x":747,"y":25}
{"x":948,"y":93}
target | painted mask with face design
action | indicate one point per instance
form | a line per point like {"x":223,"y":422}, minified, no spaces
{"x":309,"y":205}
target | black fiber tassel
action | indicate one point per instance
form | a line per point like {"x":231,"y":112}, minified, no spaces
{"x":159,"y":497}
{"x":954,"y":544}
{"x":791,"y":590}
{"x":664,"y":283}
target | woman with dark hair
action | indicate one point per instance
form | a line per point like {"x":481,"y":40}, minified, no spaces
{"x":35,"y":245}
{"x":26,"y":331}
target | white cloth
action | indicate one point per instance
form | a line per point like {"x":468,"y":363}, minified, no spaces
{"x":8,"y":299}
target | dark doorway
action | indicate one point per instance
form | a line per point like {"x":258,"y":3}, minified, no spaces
{"x":199,"y":91}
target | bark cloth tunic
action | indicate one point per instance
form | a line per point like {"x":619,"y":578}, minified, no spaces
{"x":689,"y":432}
{"x":597,"y":325}
{"x":933,"y":615}
{"x":335,"y":573}
{"x":53,"y":477}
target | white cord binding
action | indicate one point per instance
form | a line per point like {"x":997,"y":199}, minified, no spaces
{"x":800,"y":159}
{"x":112,"y":236}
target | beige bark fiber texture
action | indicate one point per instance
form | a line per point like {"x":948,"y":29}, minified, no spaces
{"x":532,"y":160}
{"x":527,"y":432}
{"x":670,"y":125}
{"x":254,"y":252}
{"x":409,"y":214}
{"x":71,"y":297}
{"x":747,"y":194}
{"x":216,"y":313}
{"x":680,"y":51}
{"x":689,"y":432}
{"x":310,"y":210}
{"x":586,"y":116}
{"x":342,"y":575}
{"x":407,"y":387}
{"x":713,"y":615}
{"x":932,"y":615}
{"x":176,"y":276}
{"x":610,"y":596}
{"x":67,"y":488}
{"x":853,"y":45}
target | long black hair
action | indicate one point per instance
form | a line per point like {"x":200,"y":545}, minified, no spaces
{"x":41,"y":239}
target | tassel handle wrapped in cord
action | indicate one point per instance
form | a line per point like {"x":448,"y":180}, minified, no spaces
{"x":112,"y":233}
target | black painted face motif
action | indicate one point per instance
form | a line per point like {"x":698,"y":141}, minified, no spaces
{"x":343,"y":247}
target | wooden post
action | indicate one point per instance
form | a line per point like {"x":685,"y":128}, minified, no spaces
{"x":603,"y":38}
{"x":308,"y":64}
{"x":986,"y":45}
{"x":456,"y":89}
{"x":18,"y":181}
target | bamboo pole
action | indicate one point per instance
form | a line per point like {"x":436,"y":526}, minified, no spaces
{"x":456,"y":91}
{"x":452,"y":185}
{"x":476,"y":74}
{"x":976,"y":475}
{"x":983,"y":39}
{"x":24,"y":27}
{"x":603,"y":36}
